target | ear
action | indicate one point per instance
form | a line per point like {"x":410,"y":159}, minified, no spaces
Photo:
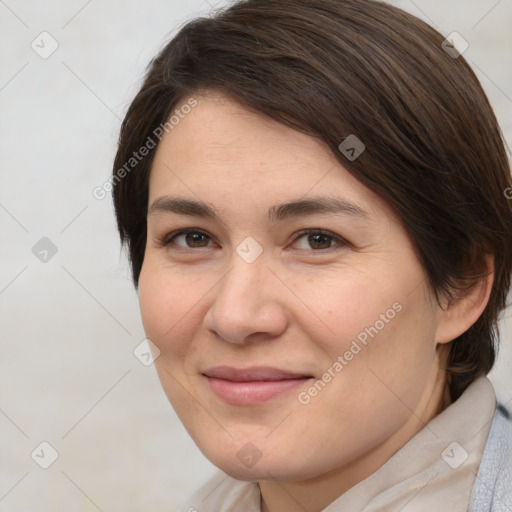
{"x":465,"y":307}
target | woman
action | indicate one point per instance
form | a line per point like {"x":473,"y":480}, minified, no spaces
{"x":313,"y":195}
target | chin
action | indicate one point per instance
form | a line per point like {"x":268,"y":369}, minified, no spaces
{"x":250,"y":464}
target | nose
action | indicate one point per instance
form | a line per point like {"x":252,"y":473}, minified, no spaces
{"x":247,"y":305}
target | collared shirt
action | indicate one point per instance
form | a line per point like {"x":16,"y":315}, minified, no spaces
{"x":435,"y":470}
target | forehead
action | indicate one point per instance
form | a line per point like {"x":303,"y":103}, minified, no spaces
{"x":220,"y":131}
{"x":221,"y":150}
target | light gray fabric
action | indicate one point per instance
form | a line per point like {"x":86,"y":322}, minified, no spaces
{"x":492,"y":491}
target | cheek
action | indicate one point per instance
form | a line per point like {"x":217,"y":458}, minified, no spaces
{"x":380,"y":334}
{"x":396,"y":360}
{"x":384,"y":369}
{"x":170,"y":304}
{"x":338,"y":311}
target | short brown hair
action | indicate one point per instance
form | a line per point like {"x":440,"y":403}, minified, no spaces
{"x":331,"y":68}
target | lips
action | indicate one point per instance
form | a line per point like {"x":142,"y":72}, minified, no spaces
{"x":251,"y":374}
{"x":252,"y":385}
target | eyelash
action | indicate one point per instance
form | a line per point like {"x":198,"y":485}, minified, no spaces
{"x":339,"y":241}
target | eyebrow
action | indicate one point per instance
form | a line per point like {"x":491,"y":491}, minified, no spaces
{"x":277,"y":213}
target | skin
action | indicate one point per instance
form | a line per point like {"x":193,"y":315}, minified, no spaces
{"x":297,"y":307}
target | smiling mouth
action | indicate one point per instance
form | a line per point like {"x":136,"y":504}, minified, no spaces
{"x":252,"y":385}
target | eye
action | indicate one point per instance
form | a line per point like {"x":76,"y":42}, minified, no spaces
{"x":317,"y":239}
{"x":308,"y":239}
{"x":190,"y":239}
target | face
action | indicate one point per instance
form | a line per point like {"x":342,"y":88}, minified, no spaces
{"x":295,"y":326}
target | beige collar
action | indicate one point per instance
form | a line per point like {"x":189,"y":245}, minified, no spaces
{"x":437,"y":468}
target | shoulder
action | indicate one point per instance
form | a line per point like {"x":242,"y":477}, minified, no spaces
{"x":224,"y":494}
{"x":492,"y":491}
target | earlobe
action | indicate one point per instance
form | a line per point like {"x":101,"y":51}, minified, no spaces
{"x":464,"y":308}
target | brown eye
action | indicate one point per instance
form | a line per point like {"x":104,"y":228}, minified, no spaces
{"x":190,"y":239}
{"x":317,"y":240}
{"x":196,"y":240}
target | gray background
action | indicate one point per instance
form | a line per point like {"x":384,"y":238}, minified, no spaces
{"x":69,"y":325}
